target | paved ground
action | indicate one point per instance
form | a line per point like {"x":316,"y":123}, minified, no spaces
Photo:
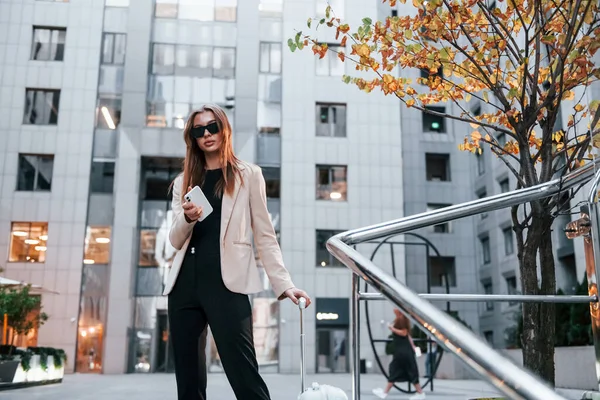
{"x":282,"y":387}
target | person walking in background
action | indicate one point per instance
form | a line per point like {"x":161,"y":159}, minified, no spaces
{"x":403,"y":367}
{"x":215,"y":269}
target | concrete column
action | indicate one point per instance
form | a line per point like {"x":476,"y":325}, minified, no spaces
{"x":127,"y":175}
{"x":246,"y":79}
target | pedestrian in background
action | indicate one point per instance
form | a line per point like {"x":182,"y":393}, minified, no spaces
{"x":403,"y":367}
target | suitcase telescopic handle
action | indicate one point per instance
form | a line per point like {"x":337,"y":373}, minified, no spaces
{"x":302,"y":306}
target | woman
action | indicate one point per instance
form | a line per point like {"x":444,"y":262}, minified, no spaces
{"x":403,"y":367}
{"x":214,"y":269}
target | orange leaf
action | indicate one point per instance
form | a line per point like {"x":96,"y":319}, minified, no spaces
{"x":343,"y":42}
{"x":341,"y":56}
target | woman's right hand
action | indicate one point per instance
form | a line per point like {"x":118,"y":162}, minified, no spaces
{"x":192,"y":213}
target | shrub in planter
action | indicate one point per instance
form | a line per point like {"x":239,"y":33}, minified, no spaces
{"x":19,"y":306}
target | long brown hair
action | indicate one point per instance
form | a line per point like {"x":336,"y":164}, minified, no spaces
{"x":194,"y":164}
{"x":401,"y":321}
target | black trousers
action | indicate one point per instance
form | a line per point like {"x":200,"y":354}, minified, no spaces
{"x":198,"y":298}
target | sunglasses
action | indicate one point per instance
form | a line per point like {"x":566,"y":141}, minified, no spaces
{"x":198,"y":131}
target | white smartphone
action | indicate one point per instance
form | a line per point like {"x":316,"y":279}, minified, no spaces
{"x":197,"y":197}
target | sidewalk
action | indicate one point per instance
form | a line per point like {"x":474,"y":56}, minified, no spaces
{"x":282,"y":387}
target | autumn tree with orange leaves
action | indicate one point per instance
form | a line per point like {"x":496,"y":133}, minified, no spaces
{"x":525,"y":62}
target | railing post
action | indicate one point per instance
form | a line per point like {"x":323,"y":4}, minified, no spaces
{"x":355,"y":337}
{"x":589,"y":227}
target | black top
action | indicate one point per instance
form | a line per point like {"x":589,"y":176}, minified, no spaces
{"x":207,"y":233}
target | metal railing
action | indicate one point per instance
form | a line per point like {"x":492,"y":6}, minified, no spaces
{"x":506,"y":376}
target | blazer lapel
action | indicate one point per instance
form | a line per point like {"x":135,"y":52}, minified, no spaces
{"x":227,"y":205}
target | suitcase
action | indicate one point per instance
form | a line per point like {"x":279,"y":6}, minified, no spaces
{"x":316,"y":391}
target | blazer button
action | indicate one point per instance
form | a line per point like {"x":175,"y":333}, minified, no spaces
{"x":193,"y":251}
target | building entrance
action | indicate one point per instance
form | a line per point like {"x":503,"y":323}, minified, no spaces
{"x":332,"y":350}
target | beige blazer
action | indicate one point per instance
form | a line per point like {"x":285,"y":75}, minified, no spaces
{"x":243,"y":216}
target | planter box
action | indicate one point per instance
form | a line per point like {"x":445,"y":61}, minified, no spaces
{"x":36,"y":373}
{"x":8,"y":370}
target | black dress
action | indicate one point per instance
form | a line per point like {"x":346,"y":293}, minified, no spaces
{"x":403,"y":367}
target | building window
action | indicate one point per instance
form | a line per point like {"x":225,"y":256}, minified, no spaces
{"x":437,"y":167}
{"x":331,"y":120}
{"x":157,"y":176}
{"x":480,"y":163}
{"x":198,"y":10}
{"x":176,"y":85}
{"x":324,"y":257}
{"x":272,"y":177}
{"x":434,"y":123}
{"x":331,"y":182}
{"x":489,"y":337}
{"x":35,"y":172}
{"x":442,"y":270}
{"x":501,"y":138}
{"x":508,"y":241}
{"x":97,"y":245}
{"x":113,"y":48}
{"x":425,"y":73}
{"x":194,"y":61}
{"x":102,"y":177}
{"x":116,"y":3}
{"x":511,"y":286}
{"x":28,"y":242}
{"x":270,"y":58}
{"x":504,"y":185}
{"x":108,"y":113}
{"x":488,"y":289}
{"x":481,"y":195}
{"x":41,"y":106}
{"x":440,"y":228}
{"x":485,"y":250}
{"x":224,"y":62}
{"x":48,"y":44}
{"x":331,"y":65}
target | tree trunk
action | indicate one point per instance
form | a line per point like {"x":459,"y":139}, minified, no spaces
{"x":538,"y":318}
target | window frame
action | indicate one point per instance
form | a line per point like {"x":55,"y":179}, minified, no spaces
{"x":51,"y":29}
{"x":269,"y":46}
{"x":176,"y":5}
{"x":113,"y":51}
{"x":37,"y":172}
{"x":442,"y":122}
{"x":509,"y":245}
{"x":44,"y":232}
{"x":330,"y":169}
{"x":438,"y":156}
{"x":486,"y":250}
{"x":452,"y":277}
{"x":446,"y":226}
{"x":55,"y":103}
{"x":489,"y":305}
{"x":332,"y":262}
{"x":330,"y":58}
{"x":332,"y":127}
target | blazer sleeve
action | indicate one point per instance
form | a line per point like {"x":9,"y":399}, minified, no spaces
{"x":180,"y":228}
{"x":265,"y":239}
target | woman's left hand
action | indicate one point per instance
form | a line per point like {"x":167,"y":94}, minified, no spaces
{"x":294,"y":294}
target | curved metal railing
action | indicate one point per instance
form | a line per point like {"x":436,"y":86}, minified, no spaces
{"x":510,"y":379}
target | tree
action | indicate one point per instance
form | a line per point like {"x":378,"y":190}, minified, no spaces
{"x":23,"y":310}
{"x":523,"y":61}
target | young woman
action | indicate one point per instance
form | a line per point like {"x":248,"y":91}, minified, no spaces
{"x":214,"y":269}
{"x":403,"y":367}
